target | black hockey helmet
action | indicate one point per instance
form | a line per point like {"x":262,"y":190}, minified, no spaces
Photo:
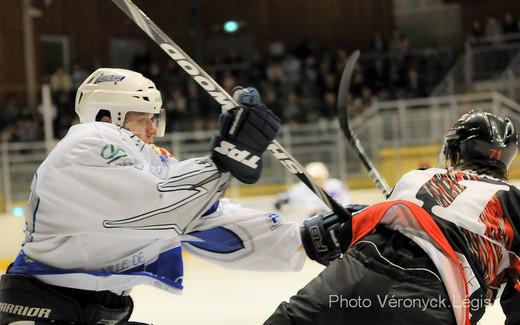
{"x":483,"y":139}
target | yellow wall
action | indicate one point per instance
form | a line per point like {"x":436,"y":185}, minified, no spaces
{"x":11,"y":236}
{"x":393,"y":163}
{"x":396,"y":162}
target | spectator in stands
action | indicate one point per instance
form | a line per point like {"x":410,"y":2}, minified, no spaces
{"x":377,"y":76}
{"x":378,"y":43}
{"x":493,"y":30}
{"x":477,"y":31}
{"x":78,"y":75}
{"x":275,"y":74}
{"x":510,"y":25}
{"x":366,"y":97}
{"x":291,"y":67}
{"x":228,"y":81}
{"x":10,"y":112}
{"x":310,"y":70}
{"x":414,"y":86}
{"x":293,"y":111}
{"x":178,"y":112}
{"x":25,"y":130}
{"x":329,"y":106}
{"x":61,"y":81}
{"x":61,"y":93}
{"x":358,"y":82}
{"x":272,"y":100}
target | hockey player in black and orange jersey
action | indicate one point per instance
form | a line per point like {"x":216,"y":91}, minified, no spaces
{"x":435,"y":252}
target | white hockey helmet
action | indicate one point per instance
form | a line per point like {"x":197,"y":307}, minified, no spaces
{"x":318,"y":171}
{"x":119,"y":91}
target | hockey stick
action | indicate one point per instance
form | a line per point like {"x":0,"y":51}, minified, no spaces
{"x":344,"y":87}
{"x":222,"y":97}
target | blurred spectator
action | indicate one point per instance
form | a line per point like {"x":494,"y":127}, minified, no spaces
{"x":493,"y":30}
{"x":172,"y":77}
{"x":510,"y":25}
{"x":276,"y":49}
{"x":179,"y":116}
{"x":271,"y":100}
{"x":310,"y":70}
{"x":357,"y":84}
{"x":61,"y":81}
{"x":78,"y":75}
{"x":228,"y":81}
{"x":366,"y":97}
{"x":329,"y":106}
{"x":293,"y":111}
{"x":195,"y":104}
{"x":378,"y":43}
{"x":291,"y":68}
{"x":341,"y":60}
{"x":232,"y":57}
{"x":154,"y":71}
{"x":377,"y":77}
{"x":26,"y":130}
{"x":141,"y":63}
{"x":477,"y":31}
{"x":414,"y":86}
{"x":275,"y":75}
{"x":9,"y":112}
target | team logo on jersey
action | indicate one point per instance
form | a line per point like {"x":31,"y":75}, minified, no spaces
{"x":274,"y":220}
{"x":111,"y":153}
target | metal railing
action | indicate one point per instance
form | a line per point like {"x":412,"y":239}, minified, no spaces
{"x":509,"y":81}
{"x":390,"y":124}
{"x":482,"y":62}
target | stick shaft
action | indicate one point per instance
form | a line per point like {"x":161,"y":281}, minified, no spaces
{"x":221,"y":96}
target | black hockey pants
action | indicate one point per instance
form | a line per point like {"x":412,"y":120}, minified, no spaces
{"x":384,"y":279}
{"x":23,"y":297}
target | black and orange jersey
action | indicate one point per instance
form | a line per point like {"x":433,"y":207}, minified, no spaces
{"x":479,"y":216}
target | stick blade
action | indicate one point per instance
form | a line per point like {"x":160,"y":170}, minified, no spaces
{"x":344,"y":86}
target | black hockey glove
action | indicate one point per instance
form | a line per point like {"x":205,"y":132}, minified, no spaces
{"x":326,"y":237}
{"x":245,"y":133}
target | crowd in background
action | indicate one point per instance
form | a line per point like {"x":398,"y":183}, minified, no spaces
{"x":493,"y":30}
{"x":299,"y":84}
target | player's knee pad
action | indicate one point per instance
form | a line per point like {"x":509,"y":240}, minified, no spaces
{"x":24,"y":298}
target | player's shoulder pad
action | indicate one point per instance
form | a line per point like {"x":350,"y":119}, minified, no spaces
{"x":98,"y":144}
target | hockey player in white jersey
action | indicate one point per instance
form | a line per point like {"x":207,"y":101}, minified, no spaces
{"x":107,"y":213}
{"x":303,"y":202}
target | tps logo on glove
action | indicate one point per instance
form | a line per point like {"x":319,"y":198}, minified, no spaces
{"x":317,"y":240}
{"x":242,"y":156}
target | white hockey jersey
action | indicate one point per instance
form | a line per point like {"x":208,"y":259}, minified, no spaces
{"x":303,"y":202}
{"x":108,"y":213}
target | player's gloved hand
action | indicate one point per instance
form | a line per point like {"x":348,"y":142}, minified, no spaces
{"x":325,"y":236}
{"x":245,"y":132}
